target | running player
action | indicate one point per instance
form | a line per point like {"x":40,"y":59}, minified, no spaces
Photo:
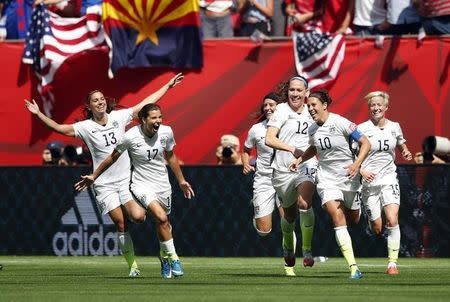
{"x":287,"y":133}
{"x":380,"y":184}
{"x":264,"y":197}
{"x":338,"y":170}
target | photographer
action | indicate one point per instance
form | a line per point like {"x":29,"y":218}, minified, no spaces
{"x":228,"y":152}
{"x":435,"y":150}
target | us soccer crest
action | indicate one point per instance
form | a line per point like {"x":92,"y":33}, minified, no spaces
{"x":163,"y":140}
{"x":115,"y":124}
{"x":332,"y":129}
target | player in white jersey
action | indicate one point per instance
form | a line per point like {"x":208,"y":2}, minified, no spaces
{"x":287,"y":134}
{"x":380,"y":184}
{"x":265,"y":199}
{"x":102,"y":129}
{"x":338,"y":170}
{"x":148,"y":144}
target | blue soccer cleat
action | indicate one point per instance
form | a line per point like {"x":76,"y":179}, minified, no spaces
{"x":355,"y":273}
{"x":177,"y":268}
{"x":166,"y":269}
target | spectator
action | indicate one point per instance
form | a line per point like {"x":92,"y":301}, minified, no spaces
{"x":69,"y":8}
{"x":369,"y":17}
{"x":402,"y":18}
{"x":278,"y":19}
{"x":303,"y":15}
{"x":228,"y":152}
{"x":435,"y":150}
{"x":47,"y":159}
{"x":337,"y":16}
{"x":56,"y":149}
{"x":15,"y":16}
{"x":216,"y":18}
{"x":435,"y":16}
{"x":255,"y":15}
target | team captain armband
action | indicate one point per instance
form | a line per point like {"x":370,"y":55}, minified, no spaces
{"x":356,"y":135}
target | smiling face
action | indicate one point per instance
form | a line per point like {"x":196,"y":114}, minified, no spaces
{"x":317,"y":109}
{"x":151,"y":123}
{"x":297,"y":93}
{"x":97,"y":104}
{"x":268,"y":107}
{"x":377,"y":108}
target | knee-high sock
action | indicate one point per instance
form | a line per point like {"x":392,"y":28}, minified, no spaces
{"x":344,"y":242}
{"x":393,"y":242}
{"x":167,"y":250}
{"x":127,"y":249}
{"x":307,"y":220}
{"x":289,"y":240}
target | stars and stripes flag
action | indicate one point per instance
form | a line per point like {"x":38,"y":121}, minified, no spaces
{"x":52,"y":39}
{"x":318,"y":56}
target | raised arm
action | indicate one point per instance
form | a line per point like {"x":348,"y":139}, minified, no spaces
{"x":87,"y":180}
{"x":174,"y":165}
{"x":60,"y":128}
{"x":154,"y":97}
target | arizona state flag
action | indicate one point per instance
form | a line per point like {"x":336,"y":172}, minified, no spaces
{"x":142,"y":33}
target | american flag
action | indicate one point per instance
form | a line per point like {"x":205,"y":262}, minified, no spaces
{"x":318,"y":56}
{"x":52,"y":39}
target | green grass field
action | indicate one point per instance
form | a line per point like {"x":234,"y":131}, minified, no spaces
{"x":219,"y":279}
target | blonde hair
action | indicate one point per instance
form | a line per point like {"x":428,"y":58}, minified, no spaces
{"x":381,"y":94}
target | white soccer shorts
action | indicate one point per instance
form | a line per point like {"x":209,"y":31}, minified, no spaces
{"x":377,"y":197}
{"x":112,"y":195}
{"x":349,"y":198}
{"x":145,"y":196}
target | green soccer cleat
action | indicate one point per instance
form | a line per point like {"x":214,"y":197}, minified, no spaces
{"x":134,"y":272}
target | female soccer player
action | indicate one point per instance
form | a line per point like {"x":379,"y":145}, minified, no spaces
{"x":148,"y":144}
{"x":380,"y":184}
{"x":287,"y":133}
{"x":264,"y":196}
{"x":102,"y":129}
{"x":337,"y":184}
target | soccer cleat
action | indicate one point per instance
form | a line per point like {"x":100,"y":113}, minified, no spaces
{"x":392,"y":270}
{"x":355,"y":272}
{"x":177,"y":268}
{"x":289,"y":258}
{"x":134,"y":272}
{"x":308,"y":260}
{"x":166,"y":269}
{"x":289,"y":271}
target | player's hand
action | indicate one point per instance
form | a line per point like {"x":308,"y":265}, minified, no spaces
{"x":32,"y":107}
{"x":187,"y":189}
{"x":368,"y":176}
{"x":407,"y":154}
{"x":294,"y":164}
{"x":85,"y":182}
{"x":352,"y":170}
{"x":175,"y":80}
{"x":248,"y":169}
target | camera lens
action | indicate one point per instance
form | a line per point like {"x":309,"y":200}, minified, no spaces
{"x":227,"y":151}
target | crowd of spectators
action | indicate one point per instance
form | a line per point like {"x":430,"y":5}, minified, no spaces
{"x":247,"y":18}
{"x":58,"y":154}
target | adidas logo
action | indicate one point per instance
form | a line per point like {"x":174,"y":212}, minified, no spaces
{"x":84,"y":231}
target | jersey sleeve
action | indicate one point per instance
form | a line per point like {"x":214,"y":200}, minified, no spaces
{"x":399,"y":135}
{"x":125,"y":115}
{"x":80,"y":130}
{"x":250,"y":140}
{"x":277,"y":119}
{"x":170,"y":140}
{"x":124,"y":143}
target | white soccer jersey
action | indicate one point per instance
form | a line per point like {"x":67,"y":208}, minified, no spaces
{"x":256,"y":139}
{"x":293,"y":130}
{"x":381,"y":157}
{"x":147,"y":157}
{"x":332,"y":141}
{"x":101,"y":141}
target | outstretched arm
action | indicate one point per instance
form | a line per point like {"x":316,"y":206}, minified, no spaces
{"x":174,"y":165}
{"x":154,"y":97}
{"x":88,"y":180}
{"x":60,"y":128}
